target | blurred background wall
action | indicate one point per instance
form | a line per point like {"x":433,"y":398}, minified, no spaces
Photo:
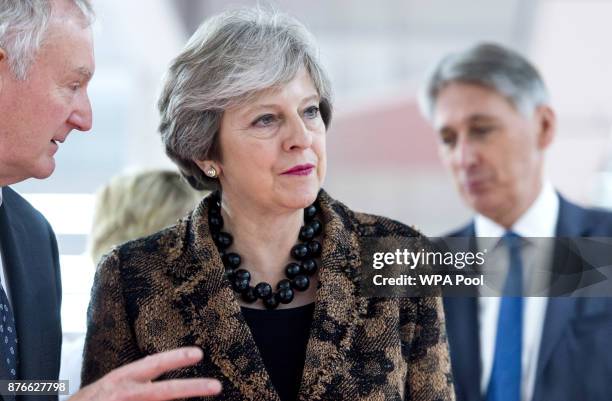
{"x":382,"y":155}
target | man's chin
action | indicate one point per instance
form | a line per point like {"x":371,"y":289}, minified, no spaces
{"x":45,"y":170}
{"x":484,"y":204}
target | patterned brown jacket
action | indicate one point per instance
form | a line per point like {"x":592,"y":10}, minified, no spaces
{"x":168,"y":290}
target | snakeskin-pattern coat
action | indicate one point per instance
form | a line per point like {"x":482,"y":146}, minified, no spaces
{"x":168,"y":290}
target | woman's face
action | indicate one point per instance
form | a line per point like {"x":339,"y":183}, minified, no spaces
{"x":273,"y":148}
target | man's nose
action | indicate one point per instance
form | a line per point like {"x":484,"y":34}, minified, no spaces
{"x":465,"y":154}
{"x":81,"y":118}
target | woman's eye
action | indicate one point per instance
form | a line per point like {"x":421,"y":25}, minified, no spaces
{"x":264,"y":120}
{"x":311,"y":112}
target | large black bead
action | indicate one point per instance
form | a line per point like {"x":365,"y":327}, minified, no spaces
{"x":300,"y":283}
{"x":263,"y":290}
{"x":242,"y":275}
{"x":316,"y":226}
{"x":215,"y":221}
{"x":309,"y":267}
{"x":240,"y":285}
{"x":284,"y":283}
{"x":292,"y":270}
{"x":229,"y":273}
{"x":306,"y":233}
{"x":285,"y":295}
{"x":216,"y":200}
{"x":224,"y":240}
{"x":213,"y":209}
{"x":249,"y":296}
{"x":270,"y":303}
{"x":231,"y":260}
{"x":299,"y":251}
{"x":213,"y":213}
{"x":314,"y":249}
{"x":310,"y":212}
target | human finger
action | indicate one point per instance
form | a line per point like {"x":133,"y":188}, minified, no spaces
{"x":153,"y":366}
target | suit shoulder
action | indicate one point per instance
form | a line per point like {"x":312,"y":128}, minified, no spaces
{"x":367,"y":225}
{"x":600,"y":217}
{"x":592,"y":221}
{"x":164,"y":246}
{"x":25,"y":213}
{"x":466,"y":230}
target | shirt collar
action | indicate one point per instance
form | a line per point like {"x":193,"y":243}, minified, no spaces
{"x":0,"y":196}
{"x":540,"y":220}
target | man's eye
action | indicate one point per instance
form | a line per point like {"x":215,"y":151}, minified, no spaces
{"x":264,"y":121}
{"x":479,"y":131}
{"x":447,"y":139}
{"x":311,"y":112}
{"x":75,"y":86}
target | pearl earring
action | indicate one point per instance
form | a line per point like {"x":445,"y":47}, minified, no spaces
{"x":211,"y":172}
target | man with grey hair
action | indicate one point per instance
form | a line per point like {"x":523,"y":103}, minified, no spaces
{"x":493,"y":118}
{"x":46,"y":62}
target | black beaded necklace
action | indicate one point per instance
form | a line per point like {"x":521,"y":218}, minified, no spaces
{"x":297,"y":272}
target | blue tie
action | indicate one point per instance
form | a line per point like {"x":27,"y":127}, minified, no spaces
{"x":505,"y":383}
{"x":8,"y":340}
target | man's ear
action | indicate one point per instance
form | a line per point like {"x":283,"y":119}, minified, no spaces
{"x":3,"y":67}
{"x":547,"y":125}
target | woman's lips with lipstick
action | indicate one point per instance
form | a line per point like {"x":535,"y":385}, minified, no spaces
{"x":300,"y":169}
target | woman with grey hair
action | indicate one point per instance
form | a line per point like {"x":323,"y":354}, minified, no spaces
{"x":264,"y":274}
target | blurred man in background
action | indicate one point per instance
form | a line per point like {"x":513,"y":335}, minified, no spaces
{"x":493,"y":118}
{"x":46,"y":62}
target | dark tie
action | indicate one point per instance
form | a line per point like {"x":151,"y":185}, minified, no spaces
{"x":505,"y":383}
{"x":8,"y":339}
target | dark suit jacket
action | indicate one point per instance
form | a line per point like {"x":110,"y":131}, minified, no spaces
{"x":31,"y":263}
{"x":168,"y":290}
{"x":574,"y":362}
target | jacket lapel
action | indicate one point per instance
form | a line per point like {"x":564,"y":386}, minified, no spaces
{"x":337,"y":305}
{"x":464,"y":336}
{"x":560,"y":310}
{"x":212,"y":313}
{"x":12,"y":262}
{"x":464,"y":343}
{"x":30,"y":286}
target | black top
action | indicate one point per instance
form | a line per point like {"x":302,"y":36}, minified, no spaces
{"x":281,"y":336}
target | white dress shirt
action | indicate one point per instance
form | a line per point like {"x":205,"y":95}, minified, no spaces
{"x":5,"y":286}
{"x":539,"y":221}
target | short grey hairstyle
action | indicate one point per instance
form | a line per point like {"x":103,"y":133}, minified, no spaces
{"x":23,"y":24}
{"x":492,"y":66}
{"x":231,"y":58}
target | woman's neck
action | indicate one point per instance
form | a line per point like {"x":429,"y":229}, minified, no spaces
{"x":262,"y":239}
